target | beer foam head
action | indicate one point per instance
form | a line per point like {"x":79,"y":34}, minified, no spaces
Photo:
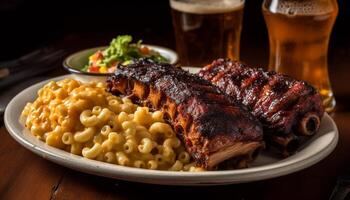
{"x":206,"y":6}
{"x":304,"y":7}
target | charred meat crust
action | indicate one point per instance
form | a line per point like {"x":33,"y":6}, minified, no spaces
{"x":278,"y":101}
{"x":270,"y":96}
{"x":197,"y":110}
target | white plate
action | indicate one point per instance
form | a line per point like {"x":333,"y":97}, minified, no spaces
{"x":264,"y":167}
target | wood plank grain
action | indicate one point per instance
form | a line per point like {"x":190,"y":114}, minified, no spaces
{"x":23,"y":174}
{"x":77,"y":185}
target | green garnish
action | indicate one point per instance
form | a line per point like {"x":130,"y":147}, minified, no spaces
{"x":121,"y":50}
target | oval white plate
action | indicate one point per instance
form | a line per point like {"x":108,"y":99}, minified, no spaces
{"x":264,"y":167}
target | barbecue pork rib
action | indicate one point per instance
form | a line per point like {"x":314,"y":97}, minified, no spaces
{"x":212,"y":127}
{"x":286,"y":107}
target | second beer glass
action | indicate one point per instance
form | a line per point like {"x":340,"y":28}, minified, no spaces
{"x":299,"y":32}
{"x":207,"y":29}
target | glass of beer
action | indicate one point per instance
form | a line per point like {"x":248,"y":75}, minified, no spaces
{"x":207,"y":29}
{"x":299,"y":32}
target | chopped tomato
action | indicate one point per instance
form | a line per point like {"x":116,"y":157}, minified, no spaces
{"x":94,"y":69}
{"x":96,"y":56}
{"x":145,"y":50}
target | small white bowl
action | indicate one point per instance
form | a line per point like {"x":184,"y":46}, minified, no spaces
{"x":78,"y":60}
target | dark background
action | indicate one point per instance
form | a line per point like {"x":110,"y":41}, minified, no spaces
{"x":26,"y":25}
{"x":73,"y":25}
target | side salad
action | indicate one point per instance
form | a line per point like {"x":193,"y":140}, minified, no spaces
{"x":120,"y":50}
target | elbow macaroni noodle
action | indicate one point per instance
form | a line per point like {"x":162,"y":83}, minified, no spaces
{"x":84,"y":119}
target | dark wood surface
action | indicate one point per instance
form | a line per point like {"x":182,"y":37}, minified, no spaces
{"x":24,"y":175}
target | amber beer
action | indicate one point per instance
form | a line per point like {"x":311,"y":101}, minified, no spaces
{"x":299,"y":33}
{"x":207,"y":29}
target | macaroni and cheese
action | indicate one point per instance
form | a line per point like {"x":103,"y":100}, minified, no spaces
{"x":84,"y":119}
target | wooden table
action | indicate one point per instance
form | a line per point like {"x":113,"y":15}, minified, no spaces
{"x":24,"y":175}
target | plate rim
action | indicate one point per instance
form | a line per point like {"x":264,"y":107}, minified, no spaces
{"x":169,"y":178}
